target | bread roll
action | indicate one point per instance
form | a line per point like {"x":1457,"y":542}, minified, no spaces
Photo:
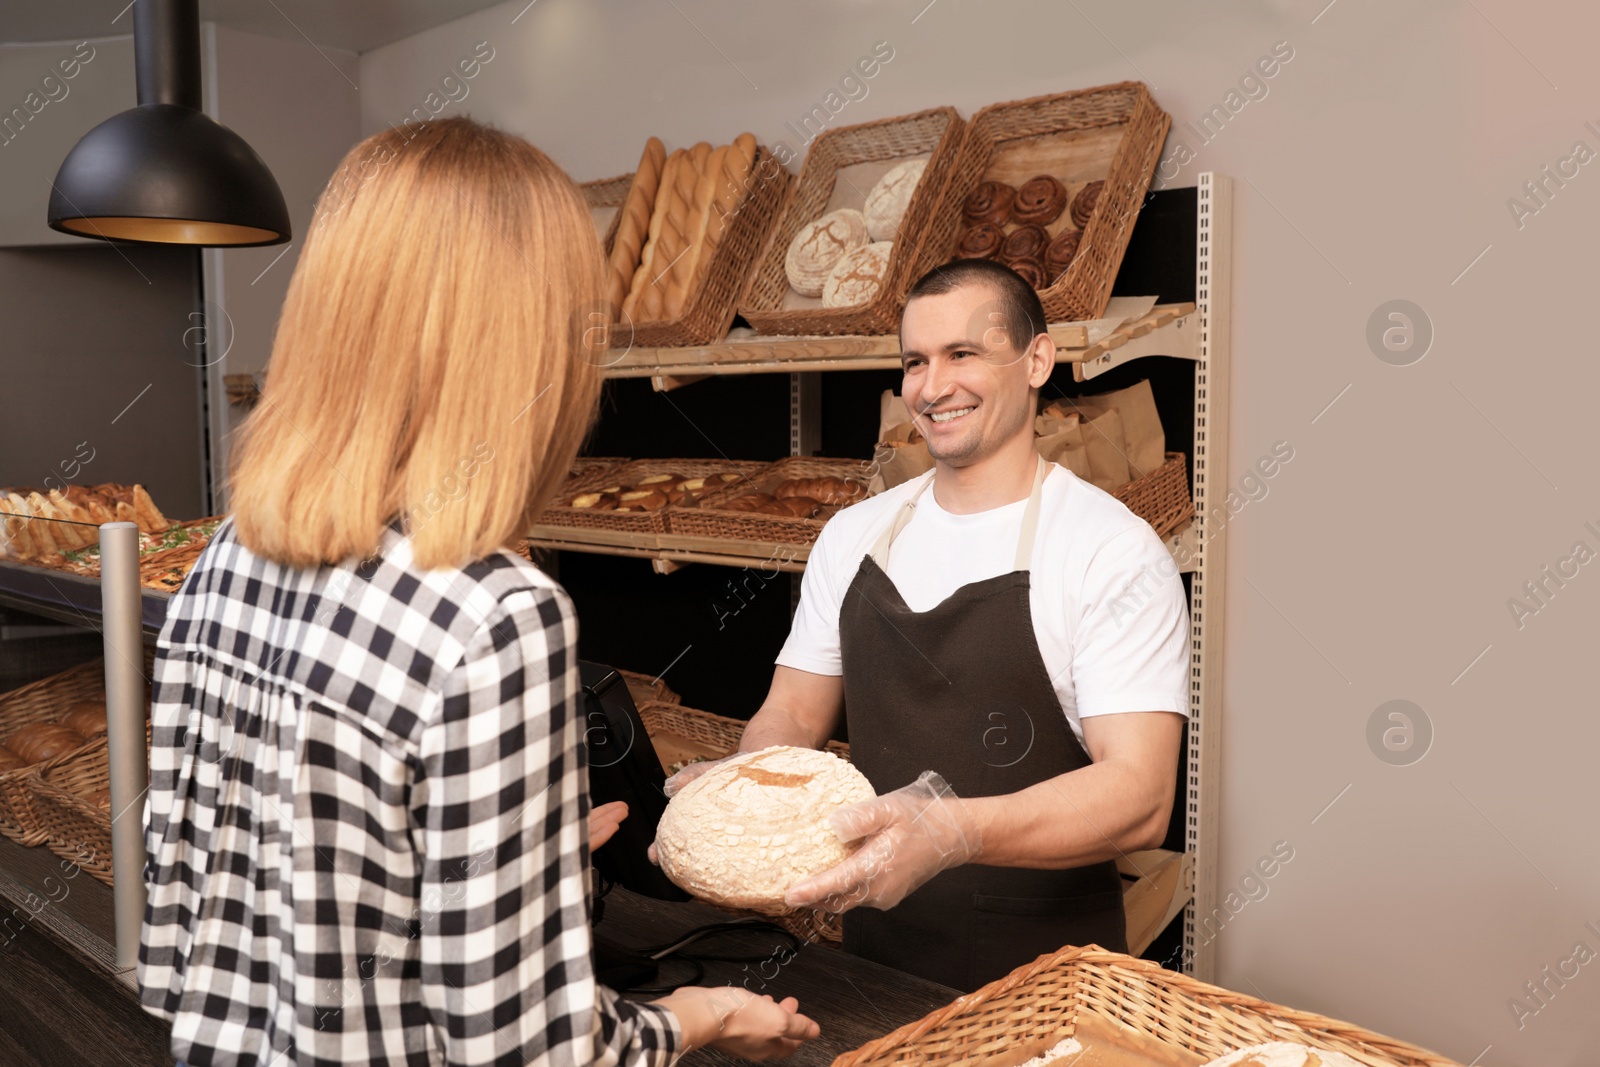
{"x":9,"y":760}
{"x":886,"y":204}
{"x":1283,"y":1054}
{"x":87,"y":718}
{"x":820,"y":245}
{"x":858,"y":276}
{"x":826,"y":490}
{"x":745,"y":831}
{"x":42,"y":741}
{"x":642,"y":500}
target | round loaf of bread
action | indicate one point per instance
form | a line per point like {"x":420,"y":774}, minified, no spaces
{"x":858,"y":275}
{"x":87,"y":718}
{"x":819,"y":246}
{"x":1283,"y":1054}
{"x":42,"y":741}
{"x":887,"y":203}
{"x":745,"y":831}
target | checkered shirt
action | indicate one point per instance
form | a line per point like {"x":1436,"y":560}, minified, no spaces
{"x":366,"y":832}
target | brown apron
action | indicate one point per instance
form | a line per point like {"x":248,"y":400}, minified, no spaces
{"x":962,"y":689}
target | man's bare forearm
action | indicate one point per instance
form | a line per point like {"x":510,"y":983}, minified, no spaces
{"x":774,"y":724}
{"x":1095,"y":813}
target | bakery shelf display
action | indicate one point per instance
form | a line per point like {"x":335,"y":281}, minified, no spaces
{"x":850,"y":241}
{"x":1051,"y":187}
{"x":1121,"y":1009}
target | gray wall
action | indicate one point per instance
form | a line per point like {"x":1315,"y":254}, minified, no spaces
{"x":1377,"y":166}
{"x":85,"y":332}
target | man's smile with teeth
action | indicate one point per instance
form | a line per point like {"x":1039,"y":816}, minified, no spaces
{"x":946,"y":416}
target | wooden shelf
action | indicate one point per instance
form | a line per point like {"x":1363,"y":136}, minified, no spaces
{"x":1165,"y":330}
{"x":668,"y":552}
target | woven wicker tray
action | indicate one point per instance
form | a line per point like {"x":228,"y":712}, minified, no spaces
{"x":1014,"y":1018}
{"x":936,"y":134}
{"x":1112,"y":133}
{"x":1161,"y":497}
{"x":707,"y":520}
{"x":43,"y":701}
{"x":75,"y":828}
{"x":639,"y":529}
{"x":710,"y":309}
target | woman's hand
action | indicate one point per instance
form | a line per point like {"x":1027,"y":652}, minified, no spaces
{"x":603,"y":822}
{"x":740,"y":1023}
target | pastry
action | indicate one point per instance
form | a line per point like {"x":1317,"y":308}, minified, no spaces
{"x":825,"y":490}
{"x":1039,"y":201}
{"x":660,"y":481}
{"x":886,"y":204}
{"x":819,"y":246}
{"x":980,"y":241}
{"x":641,"y":500}
{"x":87,"y":718}
{"x":1024,"y":242}
{"x":100,"y":799}
{"x":9,"y":760}
{"x":747,"y":502}
{"x":1083,"y":204}
{"x":745,"y":831}
{"x":989,"y":202}
{"x":1283,"y":1054}
{"x":1032,"y":271}
{"x":42,"y":741}
{"x":858,"y":275}
{"x":801,"y":507}
{"x":595,"y":501}
{"x":633,"y":227}
{"x":1060,"y":253}
{"x":671,"y":232}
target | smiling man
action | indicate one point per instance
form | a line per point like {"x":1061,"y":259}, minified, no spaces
{"x":1019,"y":735}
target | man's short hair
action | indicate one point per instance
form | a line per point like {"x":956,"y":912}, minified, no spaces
{"x":1021,"y":313}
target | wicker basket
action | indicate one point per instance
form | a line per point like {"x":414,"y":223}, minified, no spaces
{"x":1012,"y":1018}
{"x":1161,"y":497}
{"x":708,"y":520}
{"x":608,"y":193}
{"x":639,"y":528}
{"x":647,"y":690}
{"x":936,"y":134}
{"x":43,"y":701}
{"x":675,"y":728}
{"x":76,"y":828}
{"x":1113,"y":133}
{"x":709,"y":310}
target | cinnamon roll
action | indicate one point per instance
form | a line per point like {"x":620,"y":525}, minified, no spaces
{"x":1062,"y":251}
{"x":1040,"y":201}
{"x":981,"y":241}
{"x":989,"y":202}
{"x":1083,"y":204}
{"x":1024,"y":242}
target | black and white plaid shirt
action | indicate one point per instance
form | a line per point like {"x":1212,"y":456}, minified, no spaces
{"x":366,"y":832}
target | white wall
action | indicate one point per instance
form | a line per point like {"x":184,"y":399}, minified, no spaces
{"x":1377,"y":167}
{"x":296,"y":105}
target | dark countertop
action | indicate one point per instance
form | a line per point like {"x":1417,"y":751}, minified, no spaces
{"x":852,"y":999}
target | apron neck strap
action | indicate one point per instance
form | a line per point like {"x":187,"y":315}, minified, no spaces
{"x":1030,"y":521}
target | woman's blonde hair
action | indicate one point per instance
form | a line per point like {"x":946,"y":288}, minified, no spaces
{"x":436,"y":358}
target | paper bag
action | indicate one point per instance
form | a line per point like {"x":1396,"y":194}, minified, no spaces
{"x":1145,"y":442}
{"x":901,"y":453}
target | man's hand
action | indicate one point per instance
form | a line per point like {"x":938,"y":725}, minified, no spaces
{"x":906,"y":836}
{"x":603,"y":822}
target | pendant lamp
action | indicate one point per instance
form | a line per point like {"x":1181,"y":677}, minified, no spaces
{"x":165,"y":172}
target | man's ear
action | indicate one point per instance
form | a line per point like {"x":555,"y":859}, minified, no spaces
{"x":1041,"y":360}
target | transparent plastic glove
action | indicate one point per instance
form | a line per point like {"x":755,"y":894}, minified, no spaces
{"x":906,"y":836}
{"x":690,"y":772}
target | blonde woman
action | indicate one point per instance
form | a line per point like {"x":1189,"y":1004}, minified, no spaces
{"x":367,"y":827}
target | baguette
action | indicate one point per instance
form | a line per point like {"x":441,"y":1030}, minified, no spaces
{"x":634,"y":227}
{"x":669,"y":216}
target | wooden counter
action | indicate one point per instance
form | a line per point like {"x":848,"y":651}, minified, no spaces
{"x":852,"y":1000}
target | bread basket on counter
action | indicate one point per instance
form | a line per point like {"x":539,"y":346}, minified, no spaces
{"x":707,"y":519}
{"x":772,"y":307}
{"x":1014,"y":1018}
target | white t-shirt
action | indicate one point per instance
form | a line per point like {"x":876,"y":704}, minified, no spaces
{"x":1108,"y":605}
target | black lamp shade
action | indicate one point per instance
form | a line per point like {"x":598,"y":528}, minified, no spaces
{"x":169,"y":174}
